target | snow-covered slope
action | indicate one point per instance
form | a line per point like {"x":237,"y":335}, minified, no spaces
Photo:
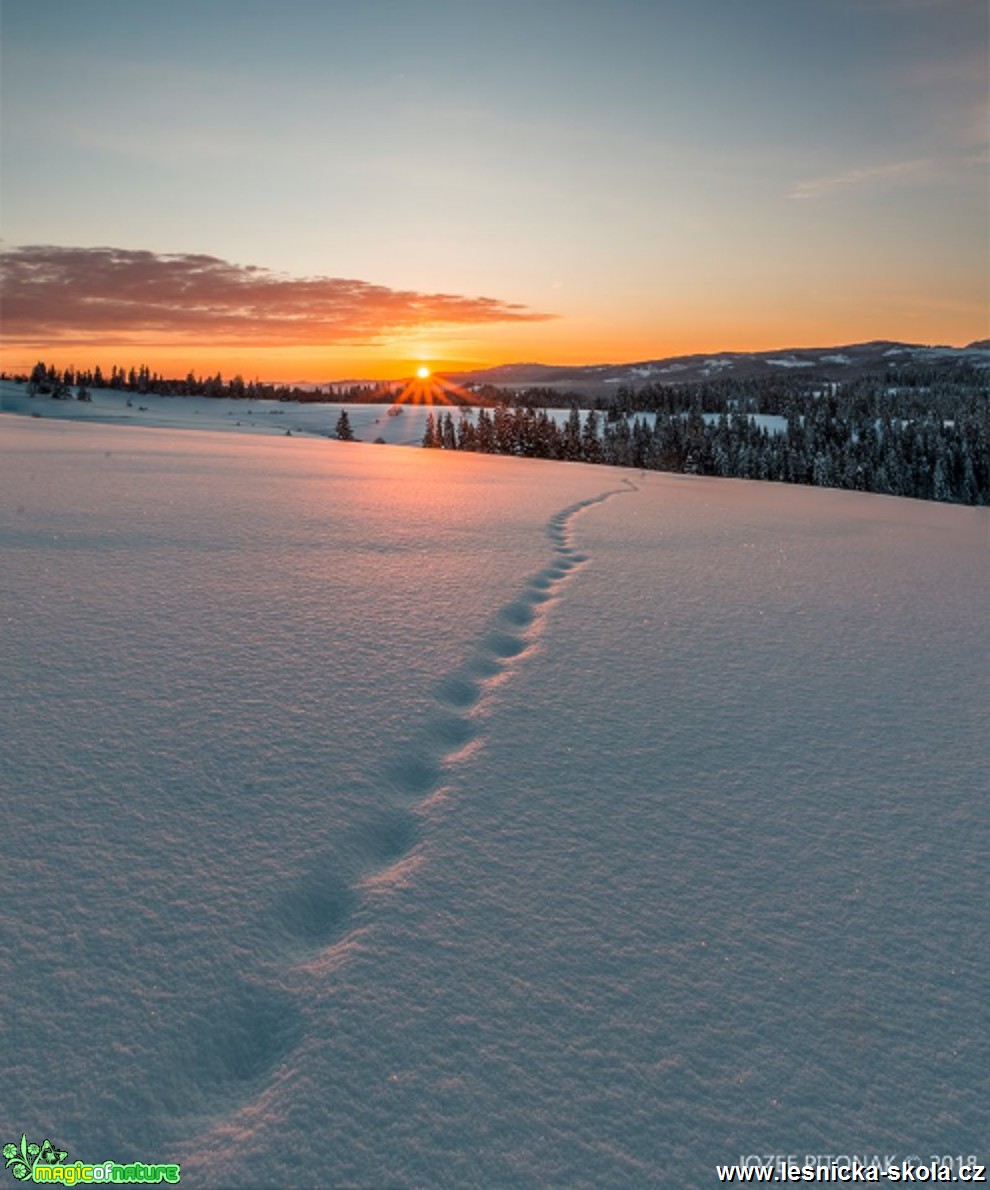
{"x":285,"y":418}
{"x":401,"y":818}
{"x":840,"y":363}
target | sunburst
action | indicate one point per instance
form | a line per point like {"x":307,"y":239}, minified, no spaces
{"x":426,"y":388}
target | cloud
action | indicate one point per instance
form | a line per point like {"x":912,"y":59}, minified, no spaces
{"x":855,"y":179}
{"x":121,"y":296}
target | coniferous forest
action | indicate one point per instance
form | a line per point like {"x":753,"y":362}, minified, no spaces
{"x":905,"y":431}
{"x":927,"y":441}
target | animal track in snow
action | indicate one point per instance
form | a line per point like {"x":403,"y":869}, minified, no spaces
{"x":418,"y":770}
{"x":326,"y":908}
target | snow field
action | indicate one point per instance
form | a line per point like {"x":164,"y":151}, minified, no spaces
{"x":400,"y":818}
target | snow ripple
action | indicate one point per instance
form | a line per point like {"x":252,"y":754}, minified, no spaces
{"x":320,"y":918}
{"x":246,"y":1036}
{"x":418,"y":771}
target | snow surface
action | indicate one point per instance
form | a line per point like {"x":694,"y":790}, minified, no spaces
{"x":380,"y":817}
{"x":402,"y":425}
{"x":312,"y":419}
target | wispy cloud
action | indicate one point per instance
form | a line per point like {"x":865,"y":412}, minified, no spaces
{"x":115,"y":295}
{"x":856,"y":179}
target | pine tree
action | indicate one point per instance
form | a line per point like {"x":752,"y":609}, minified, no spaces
{"x":448,"y":435}
{"x":485,"y":433}
{"x":591,"y":448}
{"x":466,"y":436}
{"x":571,"y":445}
{"x":343,"y":428}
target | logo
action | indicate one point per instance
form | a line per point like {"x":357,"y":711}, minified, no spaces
{"x":21,"y":1159}
{"x":43,"y":1163}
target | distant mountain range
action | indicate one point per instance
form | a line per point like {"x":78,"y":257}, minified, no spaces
{"x":825,"y":363}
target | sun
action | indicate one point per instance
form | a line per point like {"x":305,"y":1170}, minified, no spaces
{"x":426,"y":388}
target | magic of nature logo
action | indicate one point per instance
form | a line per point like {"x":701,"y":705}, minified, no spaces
{"x":30,"y":1161}
{"x":21,"y":1159}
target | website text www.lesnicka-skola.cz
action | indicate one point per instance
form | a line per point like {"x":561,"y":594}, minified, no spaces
{"x":900,"y":1170}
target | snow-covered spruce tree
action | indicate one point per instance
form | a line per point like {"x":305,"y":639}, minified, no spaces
{"x":343,"y":429}
{"x":591,"y":448}
{"x":448,"y":435}
{"x":485,"y":433}
{"x":571,"y":445}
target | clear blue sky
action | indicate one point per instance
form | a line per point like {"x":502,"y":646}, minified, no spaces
{"x":653,"y":176}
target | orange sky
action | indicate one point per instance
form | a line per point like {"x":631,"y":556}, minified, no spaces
{"x":181,"y":313}
{"x":319,"y":194}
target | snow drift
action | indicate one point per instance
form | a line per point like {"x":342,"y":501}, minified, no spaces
{"x":391,"y":817}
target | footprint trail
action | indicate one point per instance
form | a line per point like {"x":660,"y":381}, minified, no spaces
{"x":417,"y":774}
{"x":317,"y":920}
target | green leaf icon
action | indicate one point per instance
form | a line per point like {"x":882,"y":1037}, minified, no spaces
{"x":49,"y":1154}
{"x":21,"y":1159}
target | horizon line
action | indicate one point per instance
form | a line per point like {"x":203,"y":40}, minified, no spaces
{"x":23,"y":367}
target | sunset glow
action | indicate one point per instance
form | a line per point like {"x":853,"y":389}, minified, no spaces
{"x":163,"y":208}
{"x":494,"y":553}
{"x":427,"y":388}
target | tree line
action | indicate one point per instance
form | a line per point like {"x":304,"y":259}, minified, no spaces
{"x":904,"y":431}
{"x":47,"y":380}
{"x":926,"y":457}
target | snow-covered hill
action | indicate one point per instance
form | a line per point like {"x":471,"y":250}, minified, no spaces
{"x":818,"y":363}
{"x":409,"y":818}
{"x":115,"y":407}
